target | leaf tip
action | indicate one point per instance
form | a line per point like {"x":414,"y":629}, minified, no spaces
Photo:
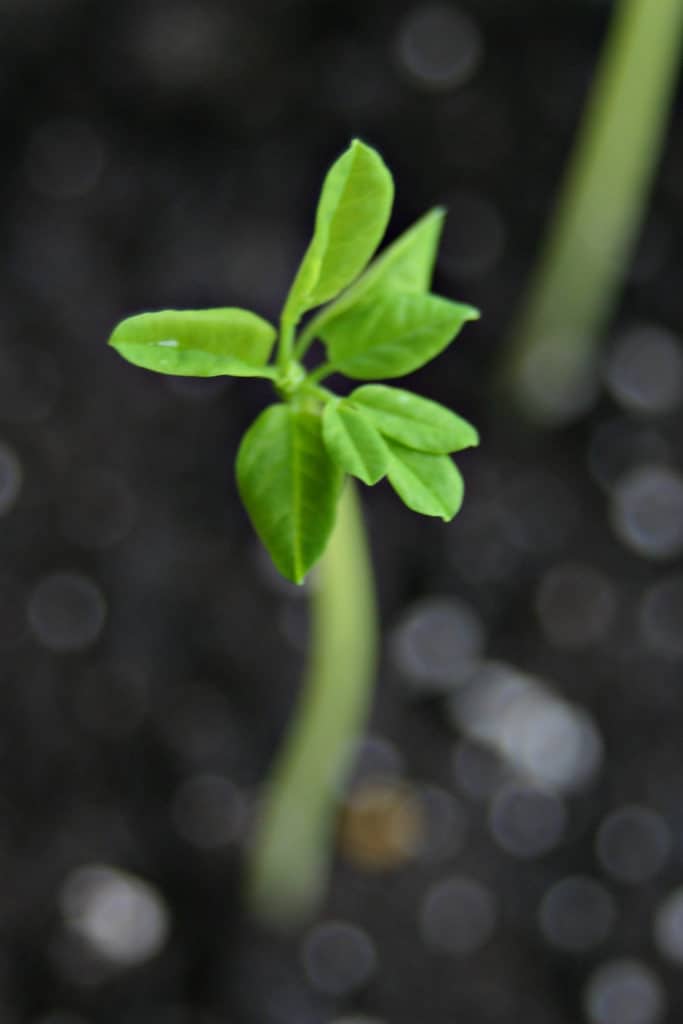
{"x":113,"y":341}
{"x":291,"y":574}
{"x":357,"y":147}
{"x":360,"y":146}
{"x":471,"y":438}
{"x":448,"y":515}
{"x":357,"y":143}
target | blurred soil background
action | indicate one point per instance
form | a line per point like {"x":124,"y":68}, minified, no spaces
{"x":511,"y":848}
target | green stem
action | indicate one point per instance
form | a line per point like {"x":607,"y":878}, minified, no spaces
{"x":307,"y":336}
{"x":554,"y":344}
{"x":291,"y":850}
{"x":320,"y":372}
{"x":286,"y":344}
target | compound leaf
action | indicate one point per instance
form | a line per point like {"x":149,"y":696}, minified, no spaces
{"x":354,"y":442}
{"x":394,"y":334}
{"x":197,"y":343}
{"x":426,"y":483}
{"x":405,"y":266}
{"x":414,"y":421}
{"x":352,"y":215}
{"x":289,"y":486}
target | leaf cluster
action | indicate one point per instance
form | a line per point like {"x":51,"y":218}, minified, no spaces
{"x":377,"y":321}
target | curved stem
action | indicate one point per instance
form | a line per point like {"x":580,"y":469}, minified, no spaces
{"x":320,"y":372}
{"x":291,"y":850}
{"x":307,"y":336}
{"x":554,"y":342}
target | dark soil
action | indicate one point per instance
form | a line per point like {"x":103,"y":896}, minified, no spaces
{"x":169,"y":155}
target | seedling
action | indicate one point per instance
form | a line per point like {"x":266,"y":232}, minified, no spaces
{"x":382,"y":323}
{"x":376,"y":322}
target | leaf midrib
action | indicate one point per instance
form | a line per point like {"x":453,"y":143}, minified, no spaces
{"x":325,"y":229}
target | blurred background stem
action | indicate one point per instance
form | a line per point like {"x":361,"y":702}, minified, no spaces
{"x":549,"y":365}
{"x":290,"y":855}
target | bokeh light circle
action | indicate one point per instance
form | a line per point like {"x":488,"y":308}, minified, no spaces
{"x":647,"y":511}
{"x":66,"y":611}
{"x":633,"y":844}
{"x":577,"y":914}
{"x":624,"y":991}
{"x":439,"y":47}
{"x":458,"y":916}
{"x":339,"y":957}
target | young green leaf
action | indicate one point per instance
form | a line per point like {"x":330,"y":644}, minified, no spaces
{"x":354,"y":442}
{"x":430,"y":484}
{"x":197,"y":343}
{"x":414,"y":421}
{"x":405,"y":266}
{"x":394,"y":334}
{"x":352,"y":215}
{"x":289,"y":486}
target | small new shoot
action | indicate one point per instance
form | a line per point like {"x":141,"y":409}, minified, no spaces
{"x":376,"y":321}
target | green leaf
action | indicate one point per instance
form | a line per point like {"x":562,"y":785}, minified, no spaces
{"x":354,"y":442}
{"x":352,"y":215}
{"x":197,"y":343}
{"x":405,"y":266}
{"x":289,"y":485}
{"x":430,"y":484}
{"x":394,"y":334}
{"x":414,"y":421}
